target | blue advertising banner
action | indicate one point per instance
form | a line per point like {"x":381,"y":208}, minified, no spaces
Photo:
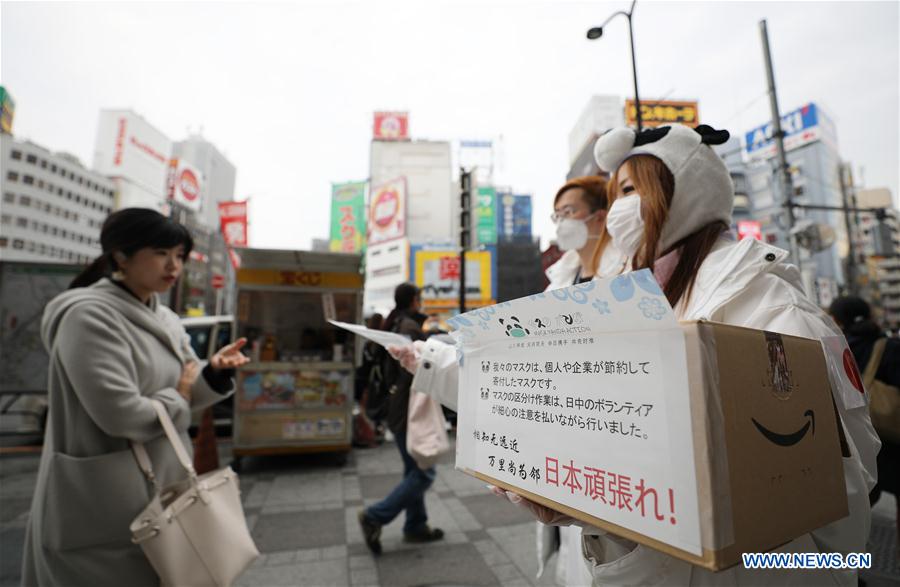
{"x":514,"y":216}
{"x":799,"y":126}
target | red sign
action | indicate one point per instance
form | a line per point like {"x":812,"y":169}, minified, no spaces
{"x":217,"y":281}
{"x":233,"y":220}
{"x":391,"y":126}
{"x":749,"y":229}
{"x":449,"y":268}
{"x":120,"y":140}
{"x":386,"y":206}
{"x":387,"y":211}
{"x":189,"y":185}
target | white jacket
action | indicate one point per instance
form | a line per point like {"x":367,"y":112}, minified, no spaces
{"x":744,"y":284}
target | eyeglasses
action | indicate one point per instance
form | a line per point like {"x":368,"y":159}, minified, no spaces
{"x":564,"y":212}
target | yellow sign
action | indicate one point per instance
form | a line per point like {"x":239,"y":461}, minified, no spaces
{"x":299,"y":278}
{"x":663,"y":112}
{"x":436,"y":273}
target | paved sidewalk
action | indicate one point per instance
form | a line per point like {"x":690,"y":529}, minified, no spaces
{"x":302,"y":512}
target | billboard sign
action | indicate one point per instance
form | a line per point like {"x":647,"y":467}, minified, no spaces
{"x":800,"y":126}
{"x":348,"y":217}
{"x":391,"y":126}
{"x":749,"y":229}
{"x":514,"y":216}
{"x":8,"y":106}
{"x":663,"y":112}
{"x":387,"y":211}
{"x":485,"y":216}
{"x":233,"y":220}
{"x":185,"y":184}
{"x":128,"y":147}
{"x":436,"y":271}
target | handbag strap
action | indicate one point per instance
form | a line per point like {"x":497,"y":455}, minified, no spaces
{"x":874,"y":362}
{"x":181,"y":452}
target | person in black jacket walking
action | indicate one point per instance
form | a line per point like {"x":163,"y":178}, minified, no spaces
{"x":409,"y":494}
{"x":854,"y":317}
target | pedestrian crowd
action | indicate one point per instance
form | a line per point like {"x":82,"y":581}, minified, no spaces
{"x":121,"y":367}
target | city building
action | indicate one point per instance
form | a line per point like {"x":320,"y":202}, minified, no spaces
{"x":742,"y":214}
{"x":53,"y":207}
{"x":879,"y":246}
{"x":600,"y":114}
{"x":218,"y":176}
{"x":815,"y":166}
{"x":519,"y":269}
{"x":411,"y":198}
{"x":135,"y":155}
{"x":426,"y":169}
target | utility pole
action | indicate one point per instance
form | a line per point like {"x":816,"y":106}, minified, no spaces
{"x":851,"y":250}
{"x":465,"y":225}
{"x":778,"y":135}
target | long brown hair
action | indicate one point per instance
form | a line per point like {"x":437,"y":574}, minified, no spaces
{"x":656,"y":185}
{"x":595,"y":189}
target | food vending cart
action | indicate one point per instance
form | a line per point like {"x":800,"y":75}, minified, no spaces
{"x":296,"y":394}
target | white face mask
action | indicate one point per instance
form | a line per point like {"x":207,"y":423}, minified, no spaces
{"x":625,"y":225}
{"x":572,"y":233}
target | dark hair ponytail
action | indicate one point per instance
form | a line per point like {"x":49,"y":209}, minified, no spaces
{"x":128,"y":231}
{"x":94,"y":272}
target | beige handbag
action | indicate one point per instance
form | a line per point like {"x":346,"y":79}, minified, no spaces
{"x":884,"y":399}
{"x":426,"y":430}
{"x":193,"y":533}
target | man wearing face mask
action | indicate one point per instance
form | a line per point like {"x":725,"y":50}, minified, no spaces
{"x":579,"y":212}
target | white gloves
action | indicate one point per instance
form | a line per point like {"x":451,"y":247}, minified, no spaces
{"x":541,"y":513}
{"x":409,"y":355}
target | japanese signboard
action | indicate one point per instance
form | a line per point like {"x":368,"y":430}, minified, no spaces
{"x":663,"y":112}
{"x":387,"y":211}
{"x":7,"y":111}
{"x":129,"y":147}
{"x":233,"y":220}
{"x":391,"y":126}
{"x":801,"y":126}
{"x":514,"y":216}
{"x":485,"y":217}
{"x":749,"y":229}
{"x":348,"y":217}
{"x":595,"y":401}
{"x":185,"y":183}
{"x":436,"y":272}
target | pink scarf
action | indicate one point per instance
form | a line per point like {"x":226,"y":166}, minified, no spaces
{"x":664,"y":267}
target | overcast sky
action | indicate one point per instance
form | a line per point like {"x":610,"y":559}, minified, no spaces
{"x":287,"y":90}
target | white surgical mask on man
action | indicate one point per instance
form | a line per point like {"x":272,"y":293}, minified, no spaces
{"x":572,"y":233}
{"x":625,"y":225}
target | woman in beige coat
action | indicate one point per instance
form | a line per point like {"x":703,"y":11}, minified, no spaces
{"x":113,"y":348}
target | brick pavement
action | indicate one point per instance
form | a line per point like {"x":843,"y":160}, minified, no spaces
{"x":302,"y":512}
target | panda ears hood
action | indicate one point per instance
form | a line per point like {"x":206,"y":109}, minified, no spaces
{"x":615,"y":145}
{"x":703,"y":193}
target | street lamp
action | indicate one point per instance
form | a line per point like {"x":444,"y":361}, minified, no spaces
{"x":597,"y":32}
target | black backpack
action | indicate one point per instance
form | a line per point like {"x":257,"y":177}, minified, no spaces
{"x":382,"y":378}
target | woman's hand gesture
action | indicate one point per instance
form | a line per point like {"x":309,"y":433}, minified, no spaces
{"x":230,"y":356}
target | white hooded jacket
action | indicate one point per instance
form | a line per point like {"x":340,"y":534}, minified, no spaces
{"x":745,"y":284}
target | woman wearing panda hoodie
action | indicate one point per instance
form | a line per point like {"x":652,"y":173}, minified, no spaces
{"x":670,"y":210}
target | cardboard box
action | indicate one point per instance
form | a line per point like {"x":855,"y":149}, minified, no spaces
{"x":766,"y":441}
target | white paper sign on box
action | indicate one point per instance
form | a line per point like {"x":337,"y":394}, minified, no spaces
{"x":580,"y":395}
